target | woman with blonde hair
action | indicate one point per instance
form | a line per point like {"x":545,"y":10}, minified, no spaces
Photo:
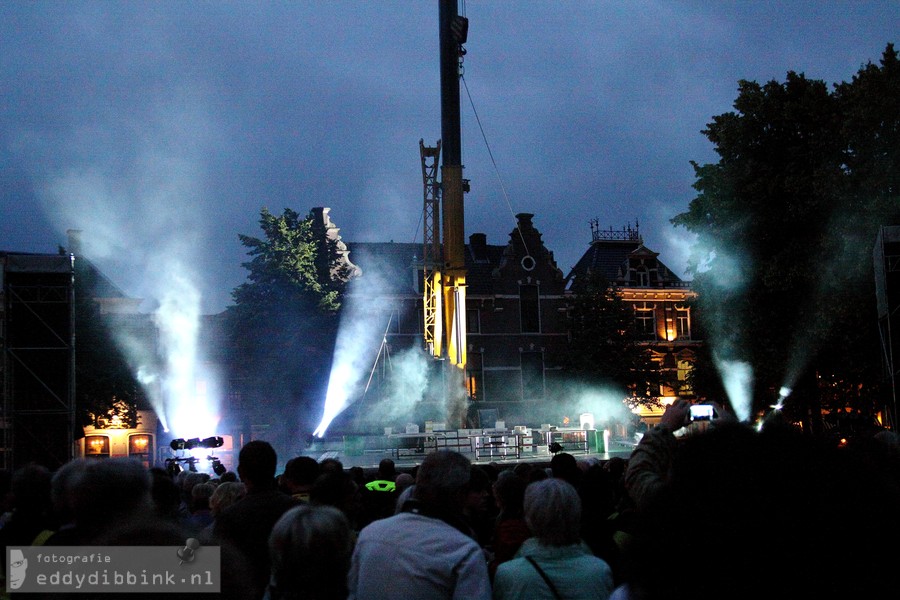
{"x":554,"y":563}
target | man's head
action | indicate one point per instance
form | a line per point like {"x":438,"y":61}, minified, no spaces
{"x":442,"y":480}
{"x":106,"y":491}
{"x":257,"y":462}
{"x":300,"y":473}
{"x":18,"y":564}
{"x":387,"y":470}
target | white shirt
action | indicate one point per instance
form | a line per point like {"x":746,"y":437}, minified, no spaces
{"x":415,"y":557}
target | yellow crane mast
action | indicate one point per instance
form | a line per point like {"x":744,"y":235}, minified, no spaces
{"x":431,"y":252}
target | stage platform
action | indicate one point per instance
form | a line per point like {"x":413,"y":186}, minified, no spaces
{"x":482,"y":446}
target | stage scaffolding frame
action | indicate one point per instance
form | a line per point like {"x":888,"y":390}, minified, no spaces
{"x":37,"y":359}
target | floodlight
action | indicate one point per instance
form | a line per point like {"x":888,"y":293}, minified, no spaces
{"x":210,"y":442}
{"x":217,"y":466}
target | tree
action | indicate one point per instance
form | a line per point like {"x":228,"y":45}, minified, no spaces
{"x":604,"y":349}
{"x":283,"y":322}
{"x":103,"y":376}
{"x":785,"y":223}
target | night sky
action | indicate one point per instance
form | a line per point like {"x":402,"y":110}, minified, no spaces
{"x":160,"y":129}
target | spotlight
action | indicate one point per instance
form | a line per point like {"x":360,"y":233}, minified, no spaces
{"x":217,"y":466}
{"x":210,"y":442}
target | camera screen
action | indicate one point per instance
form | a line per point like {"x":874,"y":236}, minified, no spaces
{"x":701,"y":412}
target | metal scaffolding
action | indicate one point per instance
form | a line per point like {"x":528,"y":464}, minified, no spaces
{"x":37,"y":369}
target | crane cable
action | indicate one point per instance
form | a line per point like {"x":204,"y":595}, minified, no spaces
{"x":494,"y":162}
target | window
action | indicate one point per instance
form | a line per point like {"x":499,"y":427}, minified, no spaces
{"x":532,"y":375}
{"x":473,"y":320}
{"x":684,"y":369}
{"x":645,"y":320}
{"x":96,"y":446}
{"x":475,"y":376}
{"x":643,"y":277}
{"x":140,"y":446}
{"x":529,"y":307}
{"x":390,"y":321}
{"x":683,"y":318}
{"x":670,"y":329}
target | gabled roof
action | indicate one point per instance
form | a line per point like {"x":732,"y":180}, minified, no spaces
{"x":611,"y":259}
{"x":489,"y":267}
{"x":605,"y":258}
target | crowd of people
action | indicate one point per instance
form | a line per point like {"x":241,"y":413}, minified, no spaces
{"x":729,"y":512}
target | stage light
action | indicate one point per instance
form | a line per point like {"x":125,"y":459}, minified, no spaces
{"x":210,"y":442}
{"x":217,"y":466}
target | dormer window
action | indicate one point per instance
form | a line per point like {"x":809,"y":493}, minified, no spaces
{"x":642,"y":277}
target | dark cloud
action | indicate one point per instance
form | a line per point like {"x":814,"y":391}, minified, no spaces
{"x":161,"y":128}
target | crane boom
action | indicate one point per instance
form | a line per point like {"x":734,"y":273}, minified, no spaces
{"x":453,"y":32}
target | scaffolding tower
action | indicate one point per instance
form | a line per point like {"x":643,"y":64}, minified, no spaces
{"x":37,"y":360}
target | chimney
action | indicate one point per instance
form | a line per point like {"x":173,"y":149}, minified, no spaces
{"x":478,"y":246}
{"x":524,"y":220}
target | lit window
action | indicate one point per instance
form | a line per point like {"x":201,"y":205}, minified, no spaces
{"x":138,"y":444}
{"x":140,"y":447}
{"x":475,"y":376}
{"x":684,"y":370}
{"x":96,"y":446}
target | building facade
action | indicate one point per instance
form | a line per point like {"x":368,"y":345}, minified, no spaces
{"x":516,"y":315}
{"x":662,"y":302}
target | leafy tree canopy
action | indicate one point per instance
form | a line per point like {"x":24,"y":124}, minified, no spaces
{"x":785,"y":222}
{"x":604,"y":347}
{"x":282,"y":325}
{"x":283,"y":268}
{"x":102,"y":373}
